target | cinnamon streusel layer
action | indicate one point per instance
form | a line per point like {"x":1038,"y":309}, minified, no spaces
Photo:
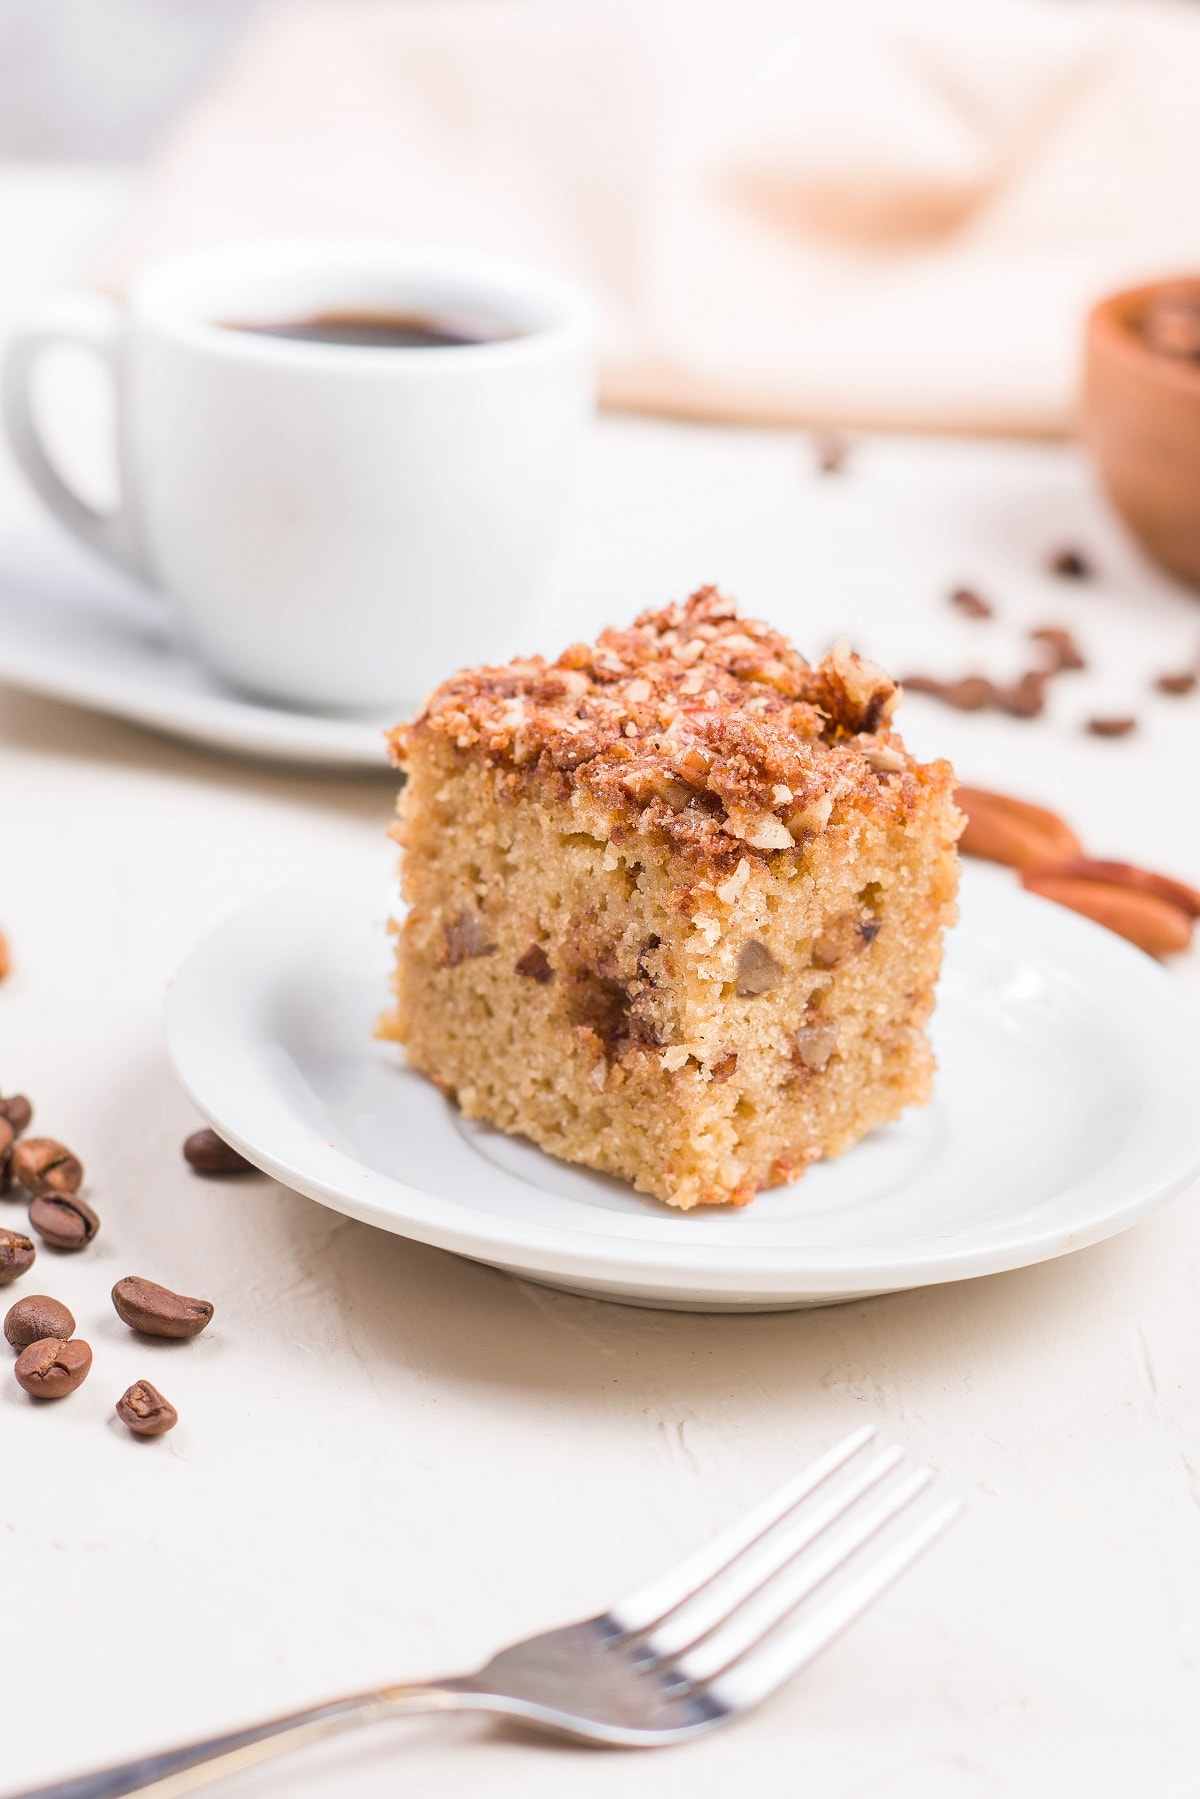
{"x":676,"y":902}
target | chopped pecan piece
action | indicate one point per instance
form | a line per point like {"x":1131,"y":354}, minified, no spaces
{"x":535,"y":965}
{"x":465,"y":938}
{"x":815,"y":1042}
{"x":757,"y":970}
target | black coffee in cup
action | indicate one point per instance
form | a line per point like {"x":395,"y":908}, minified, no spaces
{"x":383,"y":331}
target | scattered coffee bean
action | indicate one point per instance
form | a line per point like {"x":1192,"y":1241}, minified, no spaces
{"x":51,"y":1369}
{"x":969,"y":603}
{"x":210,"y":1154}
{"x":1111,"y":727}
{"x":1072,"y":565}
{"x":831,"y":450}
{"x":1183,"y":682}
{"x":156,"y":1311}
{"x":63,"y":1220}
{"x":18,"y":1111}
{"x":143,"y":1408}
{"x":7,"y":1137}
{"x":44,"y":1166}
{"x":17,"y":1254}
{"x":1064,"y":651}
{"x":35,"y":1318}
{"x":972,"y":694}
{"x":1026,"y":698}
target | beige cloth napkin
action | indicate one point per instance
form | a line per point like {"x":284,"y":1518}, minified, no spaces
{"x":872,"y":211}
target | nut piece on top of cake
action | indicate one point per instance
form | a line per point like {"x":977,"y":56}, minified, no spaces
{"x":676,"y":902}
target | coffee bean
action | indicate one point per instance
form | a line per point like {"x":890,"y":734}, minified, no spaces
{"x":1065,"y":653}
{"x":18,"y":1111}
{"x":35,"y":1318}
{"x":972,"y":694}
{"x":210,"y":1154}
{"x":50,"y":1369}
{"x":17,"y":1254}
{"x":1111,"y":727}
{"x":1026,"y":698}
{"x":63,"y":1220}
{"x":44,"y":1166}
{"x":831,"y":449}
{"x":1183,"y":682}
{"x":156,"y":1311}
{"x":969,"y":603}
{"x":1072,"y":565}
{"x":143,"y":1408}
{"x":7,"y":1135}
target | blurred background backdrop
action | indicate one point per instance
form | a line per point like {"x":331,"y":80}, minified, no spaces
{"x":100,"y":78}
{"x":892,"y":212}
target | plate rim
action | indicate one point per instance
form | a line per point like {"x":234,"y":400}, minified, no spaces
{"x":719,"y":1274}
{"x":225,"y":722}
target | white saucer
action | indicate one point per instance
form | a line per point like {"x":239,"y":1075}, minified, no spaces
{"x":1065,"y":1110}
{"x":74,"y":629}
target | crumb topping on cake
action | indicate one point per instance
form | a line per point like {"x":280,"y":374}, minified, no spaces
{"x":694,"y":723}
{"x":675,"y":903}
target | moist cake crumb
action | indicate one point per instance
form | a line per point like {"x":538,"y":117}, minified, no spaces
{"x":676,"y":902}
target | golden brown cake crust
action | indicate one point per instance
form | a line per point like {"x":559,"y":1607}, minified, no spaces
{"x":695,"y":726}
{"x":675,"y":902}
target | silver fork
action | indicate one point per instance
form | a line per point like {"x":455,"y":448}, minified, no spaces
{"x":681,"y":1656}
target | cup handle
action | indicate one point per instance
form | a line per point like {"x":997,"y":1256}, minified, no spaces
{"x":98,"y":323}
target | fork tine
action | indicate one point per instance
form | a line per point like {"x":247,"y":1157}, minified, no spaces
{"x":737,"y":1635}
{"x":755,"y":1567}
{"x":651,"y":1604}
{"x":761,"y":1670}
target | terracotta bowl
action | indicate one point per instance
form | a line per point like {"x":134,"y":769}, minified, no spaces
{"x":1141,"y":420}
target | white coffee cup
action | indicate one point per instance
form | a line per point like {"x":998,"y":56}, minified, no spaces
{"x":340,"y":526}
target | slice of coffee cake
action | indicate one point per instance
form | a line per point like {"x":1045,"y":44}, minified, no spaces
{"x":676,"y":902}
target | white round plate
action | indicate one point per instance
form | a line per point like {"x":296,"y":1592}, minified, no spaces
{"x":73,"y":629}
{"x":1065,"y":1109}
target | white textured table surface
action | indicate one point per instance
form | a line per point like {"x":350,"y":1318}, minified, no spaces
{"x":389,"y":1461}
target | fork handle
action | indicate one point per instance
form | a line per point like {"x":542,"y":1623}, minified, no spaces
{"x":177,"y":1771}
